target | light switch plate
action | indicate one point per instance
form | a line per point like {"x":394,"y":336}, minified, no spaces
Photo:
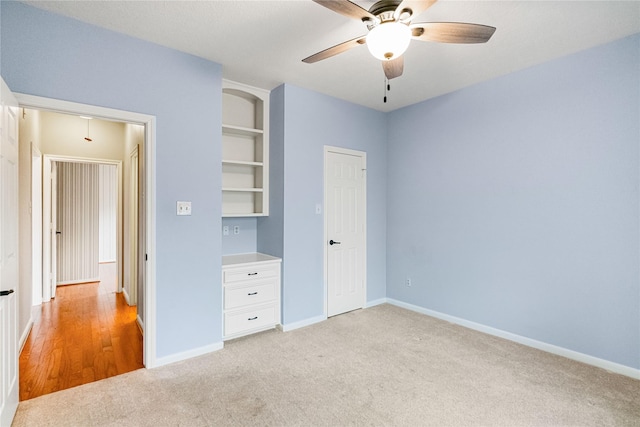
{"x":184,"y":208}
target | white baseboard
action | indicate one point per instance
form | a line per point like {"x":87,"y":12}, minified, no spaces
{"x":375,"y":302}
{"x":140,"y":323}
{"x":25,"y":334}
{"x":178,"y":357}
{"x":549,"y":348}
{"x":77,"y":282}
{"x":125,"y":294}
{"x":302,"y":323}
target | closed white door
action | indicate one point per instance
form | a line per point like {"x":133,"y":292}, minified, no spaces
{"x":53,"y":230}
{"x":36,"y":225}
{"x":133,"y":224}
{"x":345,"y":229}
{"x":8,"y":255}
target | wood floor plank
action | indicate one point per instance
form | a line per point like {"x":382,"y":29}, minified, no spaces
{"x":85,"y":334}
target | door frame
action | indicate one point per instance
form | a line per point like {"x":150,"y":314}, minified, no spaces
{"x":149,"y":122}
{"x":325,"y":245}
{"x":47,"y":215}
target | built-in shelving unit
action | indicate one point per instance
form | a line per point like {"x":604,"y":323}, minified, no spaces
{"x":245,"y":150}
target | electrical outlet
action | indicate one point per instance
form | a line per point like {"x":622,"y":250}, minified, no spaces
{"x":236,"y":229}
{"x":183,"y":208}
{"x":407,"y":282}
{"x":225,"y":230}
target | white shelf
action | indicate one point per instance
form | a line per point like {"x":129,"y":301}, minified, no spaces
{"x":242,"y":163}
{"x":239,"y":130}
{"x":245,"y":150}
{"x":250,"y":190}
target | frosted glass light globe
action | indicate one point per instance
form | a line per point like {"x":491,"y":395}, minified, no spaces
{"x":388,"y":40}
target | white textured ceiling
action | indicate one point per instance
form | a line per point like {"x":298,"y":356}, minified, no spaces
{"x":262,"y":43}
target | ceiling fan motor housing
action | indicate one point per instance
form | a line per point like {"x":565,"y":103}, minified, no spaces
{"x":384,"y":6}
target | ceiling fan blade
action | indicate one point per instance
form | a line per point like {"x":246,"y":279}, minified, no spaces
{"x":393,"y":68}
{"x":452,"y":32}
{"x":347,"y":8}
{"x":334,"y":50}
{"x":416,"y":7}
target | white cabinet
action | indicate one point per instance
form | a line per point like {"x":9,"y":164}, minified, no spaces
{"x":251,"y":286}
{"x":245,"y":150}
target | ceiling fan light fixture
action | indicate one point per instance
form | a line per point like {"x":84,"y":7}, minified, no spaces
{"x":388,"y":40}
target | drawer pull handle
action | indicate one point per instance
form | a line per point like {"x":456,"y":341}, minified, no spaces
{"x":253,"y":293}
{"x":252,"y":318}
{"x":251,"y":274}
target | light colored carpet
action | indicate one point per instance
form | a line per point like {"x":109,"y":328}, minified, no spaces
{"x":379,"y":366}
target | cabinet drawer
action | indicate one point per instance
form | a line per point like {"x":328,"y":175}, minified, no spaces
{"x":251,"y":273}
{"x":257,"y":293}
{"x":247,"y":320}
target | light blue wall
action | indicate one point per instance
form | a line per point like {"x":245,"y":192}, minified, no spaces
{"x":309,"y":122}
{"x":515,"y":203}
{"x":51,"y":56}
{"x":242,"y":243}
{"x":271,"y":228}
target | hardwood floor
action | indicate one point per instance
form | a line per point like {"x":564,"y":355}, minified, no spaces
{"x":87,"y":333}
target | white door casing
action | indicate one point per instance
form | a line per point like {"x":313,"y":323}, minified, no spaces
{"x":345,"y":229}
{"x":8,"y":255}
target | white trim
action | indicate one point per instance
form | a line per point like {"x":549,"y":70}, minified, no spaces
{"x":76,"y":282}
{"x":363,"y":157}
{"x":549,"y":348}
{"x":302,"y":323}
{"x":140,"y":323}
{"x":149,"y":122}
{"x":375,"y":302}
{"x":125,"y":294}
{"x":25,"y":335}
{"x":178,"y":357}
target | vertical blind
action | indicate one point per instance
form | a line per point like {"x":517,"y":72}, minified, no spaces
{"x":78,"y":223}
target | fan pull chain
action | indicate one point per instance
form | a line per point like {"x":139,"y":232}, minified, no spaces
{"x":387,"y":87}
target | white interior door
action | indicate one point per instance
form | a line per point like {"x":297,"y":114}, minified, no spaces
{"x":49,"y":227}
{"x":8,"y":255}
{"x":345,"y":229}
{"x":53,"y":230}
{"x":133,"y":223}
{"x":36,"y":225}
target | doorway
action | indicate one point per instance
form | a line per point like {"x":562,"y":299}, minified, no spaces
{"x":146,"y":241}
{"x":345,"y":229}
{"x":74,"y":339}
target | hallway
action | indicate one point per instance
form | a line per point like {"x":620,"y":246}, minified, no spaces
{"x":87,"y":333}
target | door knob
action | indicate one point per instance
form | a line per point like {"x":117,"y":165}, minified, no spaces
{"x":5,"y":293}
{"x":333,"y":242}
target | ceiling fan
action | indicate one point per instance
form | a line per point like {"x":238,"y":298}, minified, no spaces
{"x":391,"y":31}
